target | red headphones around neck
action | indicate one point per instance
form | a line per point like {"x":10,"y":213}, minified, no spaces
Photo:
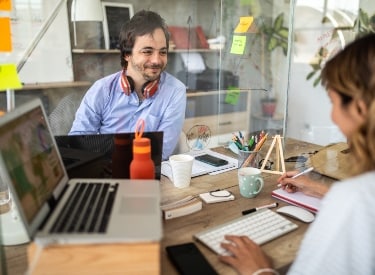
{"x":148,"y":89}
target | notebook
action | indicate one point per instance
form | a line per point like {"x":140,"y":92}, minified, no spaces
{"x":30,"y":161}
{"x":200,"y":168}
{"x":105,"y":155}
{"x":299,"y":199}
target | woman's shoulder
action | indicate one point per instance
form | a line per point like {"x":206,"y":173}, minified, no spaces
{"x":362,"y":182}
{"x":359,"y":189}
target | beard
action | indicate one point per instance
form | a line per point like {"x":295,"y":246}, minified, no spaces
{"x":150,"y":72}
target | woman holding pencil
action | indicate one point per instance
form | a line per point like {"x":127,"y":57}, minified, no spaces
{"x":292,"y":182}
{"x":341,"y":239}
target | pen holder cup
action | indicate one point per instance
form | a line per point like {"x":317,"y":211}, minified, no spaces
{"x":248,"y":159}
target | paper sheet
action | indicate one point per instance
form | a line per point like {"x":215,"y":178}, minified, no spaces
{"x":193,"y":62}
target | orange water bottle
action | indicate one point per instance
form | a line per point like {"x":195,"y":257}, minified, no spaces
{"x":142,"y":165}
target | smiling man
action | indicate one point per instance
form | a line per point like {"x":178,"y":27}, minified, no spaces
{"x":141,"y":90}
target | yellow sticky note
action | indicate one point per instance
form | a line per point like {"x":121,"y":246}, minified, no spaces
{"x":244,"y":25}
{"x":5,"y":5}
{"x":5,"y":41}
{"x":238,"y":44}
{"x":8,"y":77}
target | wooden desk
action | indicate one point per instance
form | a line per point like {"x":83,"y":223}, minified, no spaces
{"x":180,"y":230}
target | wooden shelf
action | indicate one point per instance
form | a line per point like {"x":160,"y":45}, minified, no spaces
{"x":56,"y":85}
{"x":112,"y":51}
{"x":194,"y":50}
{"x":94,"y":51}
{"x":275,"y":117}
{"x":191,"y":93}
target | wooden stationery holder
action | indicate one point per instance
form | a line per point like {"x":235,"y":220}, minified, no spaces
{"x":279,"y":157}
{"x":129,"y":258}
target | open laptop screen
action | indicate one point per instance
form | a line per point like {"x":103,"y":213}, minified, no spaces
{"x":105,"y":155}
{"x":30,"y":159}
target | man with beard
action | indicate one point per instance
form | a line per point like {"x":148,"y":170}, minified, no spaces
{"x":141,"y":90}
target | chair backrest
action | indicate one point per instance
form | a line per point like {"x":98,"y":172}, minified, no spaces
{"x":61,"y":118}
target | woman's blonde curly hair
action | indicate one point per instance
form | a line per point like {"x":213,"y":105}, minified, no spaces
{"x":351,"y":73}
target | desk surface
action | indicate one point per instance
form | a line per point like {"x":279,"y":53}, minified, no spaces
{"x":180,"y":230}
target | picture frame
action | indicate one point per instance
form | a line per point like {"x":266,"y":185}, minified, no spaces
{"x":114,"y":16}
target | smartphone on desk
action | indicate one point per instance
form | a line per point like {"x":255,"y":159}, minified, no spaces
{"x":212,"y":160}
{"x":189,"y":260}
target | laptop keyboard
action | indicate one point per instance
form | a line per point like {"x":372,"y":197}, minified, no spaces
{"x":88,"y":209}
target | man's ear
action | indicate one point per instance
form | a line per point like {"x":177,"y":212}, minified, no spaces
{"x":126,"y":57}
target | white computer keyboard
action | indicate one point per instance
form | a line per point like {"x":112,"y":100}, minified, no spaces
{"x":261,"y":226}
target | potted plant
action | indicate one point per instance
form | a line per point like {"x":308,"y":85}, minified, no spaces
{"x":363,"y":25}
{"x":269,"y":104}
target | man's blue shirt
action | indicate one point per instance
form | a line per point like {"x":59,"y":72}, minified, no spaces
{"x":105,"y":108}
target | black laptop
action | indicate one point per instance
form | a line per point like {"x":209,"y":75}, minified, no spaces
{"x":105,"y":155}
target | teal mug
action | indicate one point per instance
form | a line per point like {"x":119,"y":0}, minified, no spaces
{"x":250,"y":181}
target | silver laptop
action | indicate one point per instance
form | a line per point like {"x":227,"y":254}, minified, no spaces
{"x":55,"y":209}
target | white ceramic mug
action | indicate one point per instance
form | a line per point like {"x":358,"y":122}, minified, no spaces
{"x":250,"y":181}
{"x":182,"y":165}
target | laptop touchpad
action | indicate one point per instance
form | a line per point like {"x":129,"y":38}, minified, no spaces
{"x":143,"y":206}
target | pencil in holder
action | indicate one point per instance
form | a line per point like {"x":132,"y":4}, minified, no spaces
{"x":248,"y":158}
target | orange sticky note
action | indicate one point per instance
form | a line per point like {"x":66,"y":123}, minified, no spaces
{"x":5,"y":5}
{"x":244,"y":25}
{"x":9,"y":78}
{"x":5,"y":41}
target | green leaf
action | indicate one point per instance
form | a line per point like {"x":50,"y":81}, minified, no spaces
{"x":363,"y":17}
{"x":335,"y":34}
{"x":315,"y":66}
{"x":310,"y":75}
{"x":283,"y":32}
{"x":279,"y":21}
{"x":284,"y":46}
{"x":268,"y":30}
{"x":285,"y":51}
{"x":325,"y":19}
{"x":323,"y":52}
{"x":272,"y":43}
{"x":317,"y":81}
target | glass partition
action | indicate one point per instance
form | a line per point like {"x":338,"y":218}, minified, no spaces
{"x":229,"y":69}
{"x":321,"y":29}
{"x":248,"y":65}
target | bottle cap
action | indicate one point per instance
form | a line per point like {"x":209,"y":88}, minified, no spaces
{"x":141,"y":145}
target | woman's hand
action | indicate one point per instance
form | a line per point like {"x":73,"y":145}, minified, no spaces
{"x":303,"y":184}
{"x":247,"y":257}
